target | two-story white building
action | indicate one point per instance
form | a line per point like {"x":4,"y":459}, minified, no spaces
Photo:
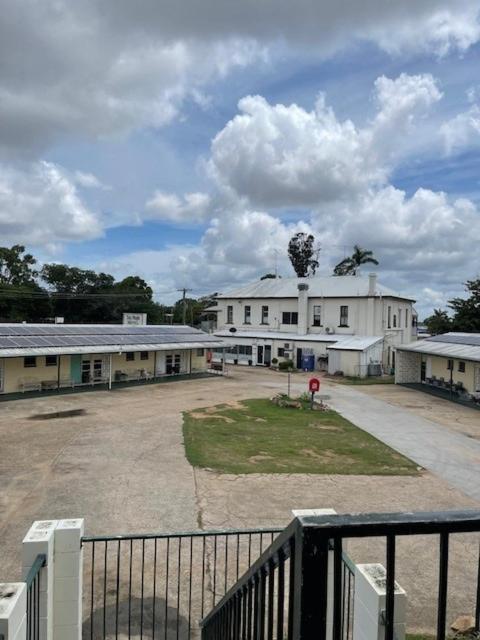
{"x":340,"y":323}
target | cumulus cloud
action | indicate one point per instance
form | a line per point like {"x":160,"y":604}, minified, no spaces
{"x":277,"y":155}
{"x":462,"y":131}
{"x":97,"y":68}
{"x":89,"y":181}
{"x":192,"y":207}
{"x":39,"y":205}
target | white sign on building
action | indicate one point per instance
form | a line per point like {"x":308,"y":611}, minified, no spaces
{"x":134,"y":319}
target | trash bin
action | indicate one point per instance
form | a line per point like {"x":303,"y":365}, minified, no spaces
{"x":308,"y":362}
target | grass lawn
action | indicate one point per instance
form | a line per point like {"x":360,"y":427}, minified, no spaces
{"x":369,"y":380}
{"x":256,"y":436}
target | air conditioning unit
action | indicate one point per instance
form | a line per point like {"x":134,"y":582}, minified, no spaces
{"x":329,"y":329}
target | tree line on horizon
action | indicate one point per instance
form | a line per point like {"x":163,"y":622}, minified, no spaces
{"x":32,"y":294}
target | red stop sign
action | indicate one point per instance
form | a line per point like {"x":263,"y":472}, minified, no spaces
{"x":314,"y":385}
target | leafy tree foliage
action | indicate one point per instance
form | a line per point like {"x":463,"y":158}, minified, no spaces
{"x":269,"y":276}
{"x":349,"y":266}
{"x":438,"y":322}
{"x":467,"y":310}
{"x":303,"y":254}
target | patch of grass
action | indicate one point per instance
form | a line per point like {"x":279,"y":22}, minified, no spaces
{"x":257,"y":436}
{"x":362,"y":381}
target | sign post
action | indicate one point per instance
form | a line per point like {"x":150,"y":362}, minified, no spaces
{"x":313,"y":387}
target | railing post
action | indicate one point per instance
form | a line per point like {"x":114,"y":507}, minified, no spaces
{"x":68,"y":580}
{"x":370,"y":604}
{"x":40,"y":541}
{"x":13,"y":611}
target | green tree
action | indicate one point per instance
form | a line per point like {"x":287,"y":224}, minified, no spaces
{"x":350,"y":266}
{"x":21,"y":298}
{"x":466,"y":311}
{"x":303,"y":254}
{"x":438,"y":322}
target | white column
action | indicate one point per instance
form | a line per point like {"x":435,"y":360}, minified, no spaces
{"x":39,"y":541}
{"x":68,"y":580}
{"x":370,"y":604}
{"x":323,"y":512}
{"x":13,"y":610}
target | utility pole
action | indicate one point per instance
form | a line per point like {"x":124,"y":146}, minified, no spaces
{"x":184,"y":304}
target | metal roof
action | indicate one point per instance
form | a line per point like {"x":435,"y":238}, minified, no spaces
{"x":435,"y":347}
{"x":42,"y":339}
{"x":279,"y":335}
{"x":318,"y":287}
{"x":345,"y":342}
{"x":457,"y":338}
{"x":356,"y":343}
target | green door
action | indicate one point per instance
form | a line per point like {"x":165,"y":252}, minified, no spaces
{"x":76,"y":369}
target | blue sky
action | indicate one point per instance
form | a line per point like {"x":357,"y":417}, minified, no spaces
{"x":142,"y":154}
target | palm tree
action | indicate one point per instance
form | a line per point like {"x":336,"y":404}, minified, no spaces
{"x":349,"y":266}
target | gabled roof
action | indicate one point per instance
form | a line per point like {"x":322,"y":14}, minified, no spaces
{"x":318,"y":287}
{"x":356,"y":343}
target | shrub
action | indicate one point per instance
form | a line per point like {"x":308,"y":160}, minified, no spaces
{"x":274,"y":361}
{"x":285,"y":365}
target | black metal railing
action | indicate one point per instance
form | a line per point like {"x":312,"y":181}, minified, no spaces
{"x":259,"y":607}
{"x":162,"y":585}
{"x":33,"y":598}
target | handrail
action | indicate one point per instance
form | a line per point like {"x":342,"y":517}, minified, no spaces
{"x":280,"y":544}
{"x":40,"y":561}
{"x":182,"y":534}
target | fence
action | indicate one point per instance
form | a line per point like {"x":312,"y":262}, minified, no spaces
{"x":33,"y":598}
{"x":255,"y":606}
{"x":161,"y":585}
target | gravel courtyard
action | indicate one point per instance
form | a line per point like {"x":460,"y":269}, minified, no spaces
{"x":120,"y":464}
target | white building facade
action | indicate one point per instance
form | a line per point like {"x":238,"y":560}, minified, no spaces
{"x":294,"y":317}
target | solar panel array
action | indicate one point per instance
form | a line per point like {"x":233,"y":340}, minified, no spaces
{"x":469,"y":339}
{"x":28,"y":336}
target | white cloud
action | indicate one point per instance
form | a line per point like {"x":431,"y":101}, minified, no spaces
{"x":193,"y":207}
{"x":97,"y":68}
{"x":280,"y":156}
{"x":40,"y":206}
{"x":462,"y":131}
{"x":89,"y":181}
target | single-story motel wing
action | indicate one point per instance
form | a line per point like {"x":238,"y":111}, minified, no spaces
{"x":449,"y":361}
{"x":39,"y":357}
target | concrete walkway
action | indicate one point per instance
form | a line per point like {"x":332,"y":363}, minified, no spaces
{"x":450,"y":455}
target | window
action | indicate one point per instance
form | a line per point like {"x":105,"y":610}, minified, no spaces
{"x":230,"y":314}
{"x":130,"y":356}
{"x":50,"y":361}
{"x":281,"y":352}
{"x":200,"y":353}
{"x":289,"y":317}
{"x":450,"y":364}
{"x":406,"y":318}
{"x":317,"y":316}
{"x":399,"y":318}
{"x":265,"y":315}
{"x":461,"y":367}
{"x":344,"y":316}
{"x":143,"y":355}
{"x":244,"y":350}
{"x":389,"y":318}
{"x":30,"y":361}
{"x":394,"y":320}
{"x":247,"y":314}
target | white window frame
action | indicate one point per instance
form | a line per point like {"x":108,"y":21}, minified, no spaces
{"x":229,"y":314}
{"x":317,"y":313}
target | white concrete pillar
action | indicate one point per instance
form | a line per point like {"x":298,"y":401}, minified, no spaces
{"x":40,"y":541}
{"x":370,"y":604}
{"x":13,"y":611}
{"x":302,"y":327}
{"x":323,"y":512}
{"x":68,"y":580}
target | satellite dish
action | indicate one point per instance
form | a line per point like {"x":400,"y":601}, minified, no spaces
{"x":232,"y":330}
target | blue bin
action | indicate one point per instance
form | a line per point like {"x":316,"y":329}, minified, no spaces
{"x":308,"y":362}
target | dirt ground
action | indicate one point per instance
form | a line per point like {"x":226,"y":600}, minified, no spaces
{"x":121,"y":466}
{"x":449,"y":414}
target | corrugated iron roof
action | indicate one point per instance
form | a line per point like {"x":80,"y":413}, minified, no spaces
{"x":356,"y":343}
{"x":445,"y":349}
{"x":346,"y":342}
{"x":318,"y":287}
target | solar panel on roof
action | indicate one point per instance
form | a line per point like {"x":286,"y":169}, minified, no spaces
{"x":472,"y":340}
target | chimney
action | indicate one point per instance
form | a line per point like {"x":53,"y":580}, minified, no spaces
{"x":302,"y":309}
{"x":372,"y":283}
